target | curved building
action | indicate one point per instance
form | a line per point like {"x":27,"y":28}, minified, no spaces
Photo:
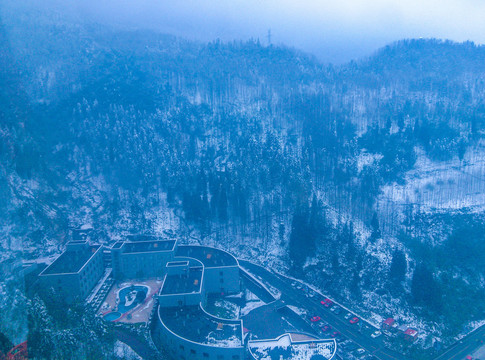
{"x":182,"y":326}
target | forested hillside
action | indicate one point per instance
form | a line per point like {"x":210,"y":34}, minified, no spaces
{"x":369,"y":176}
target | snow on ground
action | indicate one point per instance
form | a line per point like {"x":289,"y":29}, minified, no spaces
{"x":299,"y":311}
{"x":438,"y":186}
{"x":266,"y":350}
{"x":250,"y":306}
{"x":471,"y":326}
{"x":250,"y":296}
{"x":125,"y":352}
{"x":367,"y":159}
{"x":228,"y":308}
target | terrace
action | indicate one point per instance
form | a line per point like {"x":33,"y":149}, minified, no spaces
{"x":183,"y":283}
{"x":194,"y":324}
{"x":210,"y":257}
{"x":71,"y":261}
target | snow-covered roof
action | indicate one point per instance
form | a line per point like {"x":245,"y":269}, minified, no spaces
{"x":284,"y":347}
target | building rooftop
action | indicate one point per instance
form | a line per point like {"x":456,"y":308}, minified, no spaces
{"x":177,"y":263}
{"x":142,"y":237}
{"x":210,"y":257}
{"x":284,"y":347}
{"x":183,"y":284}
{"x":71,"y":261}
{"x":411,"y":332}
{"x":146,"y":246}
{"x":389,"y":321}
{"x":194,"y":324}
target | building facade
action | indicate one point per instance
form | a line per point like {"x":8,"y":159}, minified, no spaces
{"x":75,"y":272}
{"x":141,"y":259}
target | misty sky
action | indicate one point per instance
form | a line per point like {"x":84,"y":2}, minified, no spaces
{"x":334,"y":30}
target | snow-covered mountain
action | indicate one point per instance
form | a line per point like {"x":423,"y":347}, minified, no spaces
{"x":328,"y":173}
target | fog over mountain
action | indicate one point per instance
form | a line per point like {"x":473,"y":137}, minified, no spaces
{"x":334,"y":31}
{"x":188,"y":120}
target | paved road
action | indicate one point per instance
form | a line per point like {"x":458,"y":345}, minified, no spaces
{"x":295,"y":297}
{"x":465,"y":347}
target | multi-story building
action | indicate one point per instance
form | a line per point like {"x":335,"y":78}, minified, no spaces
{"x":182,"y":324}
{"x":75,"y":272}
{"x":141,"y":259}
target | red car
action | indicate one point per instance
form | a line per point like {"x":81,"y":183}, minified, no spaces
{"x":326,"y":328}
{"x":326,"y":302}
{"x":315,"y":319}
{"x":354,"y":320}
{"x":335,"y":334}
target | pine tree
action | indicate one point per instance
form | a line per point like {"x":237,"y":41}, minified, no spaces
{"x":376,"y":231}
{"x":425,"y":290}
{"x":398,"y":269}
{"x":299,"y":239}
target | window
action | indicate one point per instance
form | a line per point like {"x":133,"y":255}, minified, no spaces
{"x":235,"y":357}
{"x":205,"y":355}
{"x":181,"y":347}
{"x":222,"y":281}
{"x":220,"y":357}
{"x":192,"y":352}
{"x":221,"y":273}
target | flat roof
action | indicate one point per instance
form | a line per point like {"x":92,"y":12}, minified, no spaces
{"x":194,"y":324}
{"x":177,"y":263}
{"x":183,"y":284}
{"x":148,"y":246}
{"x":71,"y":261}
{"x":210,"y":257}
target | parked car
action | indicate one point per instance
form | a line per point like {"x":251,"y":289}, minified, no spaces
{"x":334,"y":334}
{"x":354,"y":320}
{"x":387,"y":333}
{"x":360,"y":352}
{"x":351,"y":346}
{"x":336,"y":309}
{"x":376,"y":334}
{"x":326,"y":328}
{"x":315,"y":318}
{"x":348,"y":316}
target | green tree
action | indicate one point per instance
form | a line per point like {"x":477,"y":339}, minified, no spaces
{"x":398,"y":269}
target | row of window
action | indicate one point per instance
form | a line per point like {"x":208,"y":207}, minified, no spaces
{"x":206,"y":355}
{"x":193,"y":352}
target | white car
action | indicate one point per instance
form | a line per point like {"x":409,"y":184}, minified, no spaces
{"x":376,"y":334}
{"x":348,"y":316}
{"x":360,"y":351}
